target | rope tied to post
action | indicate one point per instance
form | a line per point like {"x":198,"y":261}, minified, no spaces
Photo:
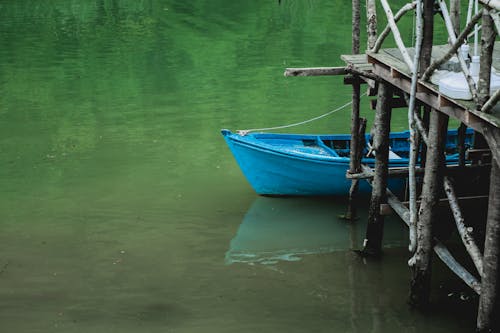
{"x":246,"y":131}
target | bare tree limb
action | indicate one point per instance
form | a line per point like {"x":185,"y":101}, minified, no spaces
{"x":453,"y":39}
{"x":465,"y":233}
{"x":490,"y":104}
{"x":387,"y":29}
{"x":371,"y":23}
{"x":495,"y":4}
{"x":396,"y":34}
{"x":454,"y":47}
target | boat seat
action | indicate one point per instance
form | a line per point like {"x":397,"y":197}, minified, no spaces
{"x":393,"y":155}
{"x":320,"y":143}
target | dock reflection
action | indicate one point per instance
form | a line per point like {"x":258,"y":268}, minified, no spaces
{"x":285,"y":229}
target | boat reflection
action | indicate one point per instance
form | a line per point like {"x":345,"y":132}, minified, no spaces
{"x":285,"y":229}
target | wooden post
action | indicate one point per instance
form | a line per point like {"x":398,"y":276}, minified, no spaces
{"x":354,"y":163}
{"x":455,"y":15}
{"x":382,"y":122}
{"x":421,"y":268}
{"x":425,"y":59}
{"x":462,"y":129}
{"x":488,"y":318}
{"x":414,"y":144}
{"x":425,"y":54}
{"x":356,"y":20}
{"x":487,"y":40}
{"x":351,"y":213}
{"x":371,"y":23}
{"x":420,"y":262}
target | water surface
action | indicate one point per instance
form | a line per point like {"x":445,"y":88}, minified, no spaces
{"x":120,"y":203}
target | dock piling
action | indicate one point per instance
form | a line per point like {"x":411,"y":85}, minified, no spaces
{"x":375,"y":228}
{"x":488,"y":317}
{"x":355,"y":145}
{"x":421,"y":270}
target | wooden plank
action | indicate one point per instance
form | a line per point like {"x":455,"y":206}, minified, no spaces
{"x":315,"y":71}
{"x":483,"y":155}
{"x":354,"y":58}
{"x":392,"y":59}
{"x":450,"y":170}
{"x":384,"y":65}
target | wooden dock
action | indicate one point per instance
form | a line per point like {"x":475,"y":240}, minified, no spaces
{"x":388,"y":65}
{"x":401,"y":79}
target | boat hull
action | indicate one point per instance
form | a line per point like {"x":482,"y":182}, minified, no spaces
{"x":276,"y":172}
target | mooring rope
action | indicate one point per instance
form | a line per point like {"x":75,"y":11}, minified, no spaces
{"x":245,"y":132}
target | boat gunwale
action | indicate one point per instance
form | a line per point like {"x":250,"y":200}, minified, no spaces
{"x":324,"y":159}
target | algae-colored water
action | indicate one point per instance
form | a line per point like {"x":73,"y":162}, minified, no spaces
{"x":121,"y":209}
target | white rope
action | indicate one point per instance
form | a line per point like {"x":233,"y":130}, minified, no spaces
{"x":245,"y":132}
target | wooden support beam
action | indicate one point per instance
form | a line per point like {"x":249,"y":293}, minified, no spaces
{"x":453,"y":49}
{"x":465,"y":233}
{"x":491,"y":103}
{"x":355,"y":164}
{"x":488,"y":318}
{"x":428,"y":33}
{"x":375,"y":227}
{"x":455,"y":15}
{"x":386,"y":209}
{"x":462,"y":131}
{"x":396,"y":103}
{"x":352,"y":70}
{"x":421,"y":270}
{"x":496,"y":19}
{"x":421,"y":128}
{"x":315,"y":71}
{"x":358,"y":126}
{"x":450,"y":170}
{"x":495,"y":4}
{"x":456,"y":268}
{"x":492,"y":136}
{"x":356,"y":19}
{"x":371,"y":23}
{"x":383,"y":35}
{"x":453,"y":39}
{"x":396,"y":34}
{"x":439,"y":248}
{"x":356,"y":143}
{"x":487,"y":41}
{"x":482,"y":155}
{"x":350,"y":79}
{"x":414,"y":136}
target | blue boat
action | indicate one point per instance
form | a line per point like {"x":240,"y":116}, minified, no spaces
{"x":305,"y":164}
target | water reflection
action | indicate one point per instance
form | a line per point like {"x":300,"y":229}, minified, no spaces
{"x":275,"y":229}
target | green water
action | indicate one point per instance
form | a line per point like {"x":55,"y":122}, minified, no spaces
{"x":121,"y":208}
